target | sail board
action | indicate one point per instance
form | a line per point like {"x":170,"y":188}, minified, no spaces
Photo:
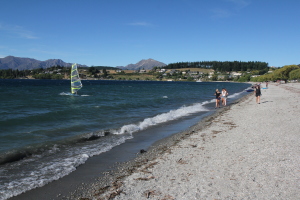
{"x":75,"y":80}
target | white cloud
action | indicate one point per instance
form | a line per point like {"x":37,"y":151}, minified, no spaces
{"x":234,"y":7}
{"x":240,"y":3}
{"x":18,"y":31}
{"x":221,"y":13}
{"x":40,"y":51}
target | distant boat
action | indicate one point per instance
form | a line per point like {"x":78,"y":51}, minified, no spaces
{"x":75,"y":80}
{"x":199,"y":80}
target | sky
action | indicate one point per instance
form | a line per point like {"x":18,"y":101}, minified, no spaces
{"x":121,"y":32}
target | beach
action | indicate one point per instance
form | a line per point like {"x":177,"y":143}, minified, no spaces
{"x":244,"y":151}
{"x":52,"y":143}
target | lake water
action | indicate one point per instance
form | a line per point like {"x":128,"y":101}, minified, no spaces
{"x":45,"y":133}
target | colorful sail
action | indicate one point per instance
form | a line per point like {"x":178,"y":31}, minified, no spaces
{"x":75,"y":80}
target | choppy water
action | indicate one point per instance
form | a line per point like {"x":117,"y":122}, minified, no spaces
{"x":45,"y":134}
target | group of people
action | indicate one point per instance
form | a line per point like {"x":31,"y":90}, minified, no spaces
{"x":221,"y":96}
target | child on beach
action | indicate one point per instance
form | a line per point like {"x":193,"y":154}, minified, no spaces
{"x":224,"y":96}
{"x":218,"y":98}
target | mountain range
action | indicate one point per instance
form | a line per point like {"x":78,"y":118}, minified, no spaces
{"x":12,"y":62}
{"x":144,"y":64}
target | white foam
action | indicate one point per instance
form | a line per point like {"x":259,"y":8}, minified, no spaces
{"x":70,"y":94}
{"x":235,"y":94}
{"x":65,"y":93}
{"x":128,"y":129}
{"x":46,"y":172}
{"x":161,"y":118}
{"x":169,"y":116}
{"x":41,"y":176}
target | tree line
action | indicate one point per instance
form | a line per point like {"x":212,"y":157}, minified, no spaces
{"x":226,"y":66}
{"x":55,"y":72}
{"x":12,"y":74}
{"x":287,"y":72}
{"x":39,"y":73}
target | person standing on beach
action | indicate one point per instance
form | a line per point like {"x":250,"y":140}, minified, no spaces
{"x":218,"y":98}
{"x":257,"y":93}
{"x":224,"y":96}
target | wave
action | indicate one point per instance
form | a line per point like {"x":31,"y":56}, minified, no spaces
{"x":70,"y":94}
{"x":47,"y":147}
{"x":40,"y":175}
{"x":36,"y":170}
{"x":236,"y":94}
{"x":53,"y":161}
{"x":162,"y":118}
{"x":19,"y":154}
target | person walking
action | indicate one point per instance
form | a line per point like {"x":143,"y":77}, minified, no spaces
{"x":224,"y":97}
{"x":257,"y":93}
{"x":218,"y":98}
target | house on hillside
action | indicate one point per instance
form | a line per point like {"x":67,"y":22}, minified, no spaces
{"x":210,"y":75}
{"x":221,"y":77}
{"x":161,"y":70}
{"x":193,"y":73}
{"x":173,"y":71}
{"x":142,"y":71}
{"x":235,"y":74}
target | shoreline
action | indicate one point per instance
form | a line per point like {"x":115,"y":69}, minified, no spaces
{"x":85,"y":176}
{"x":243,"y":151}
{"x":108,"y":184}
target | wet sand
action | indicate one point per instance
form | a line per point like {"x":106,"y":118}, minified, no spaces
{"x":243,"y":151}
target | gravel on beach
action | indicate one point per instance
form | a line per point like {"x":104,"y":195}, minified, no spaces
{"x":244,"y":151}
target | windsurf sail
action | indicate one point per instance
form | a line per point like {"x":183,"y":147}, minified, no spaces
{"x":75,"y":80}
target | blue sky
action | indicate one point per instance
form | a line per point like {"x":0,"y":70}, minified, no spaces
{"x":121,"y":32}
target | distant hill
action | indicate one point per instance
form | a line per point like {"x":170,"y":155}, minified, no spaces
{"x":11,"y":62}
{"x":144,"y":64}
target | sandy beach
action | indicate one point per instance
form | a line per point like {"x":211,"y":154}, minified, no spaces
{"x":244,"y":151}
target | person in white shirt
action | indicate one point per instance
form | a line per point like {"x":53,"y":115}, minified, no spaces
{"x":224,"y":95}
